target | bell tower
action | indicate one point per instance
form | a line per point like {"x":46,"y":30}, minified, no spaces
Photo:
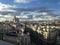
{"x":16,"y":20}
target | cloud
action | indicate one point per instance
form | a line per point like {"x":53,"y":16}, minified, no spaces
{"x":44,"y":13}
{"x":58,"y":3}
{"x":24,"y":16}
{"x":5,"y":11}
{"x":23,"y":1}
{"x":27,"y":14}
{"x":3,"y":7}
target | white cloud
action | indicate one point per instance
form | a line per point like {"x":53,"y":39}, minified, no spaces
{"x":44,"y":13}
{"x":8,"y":16}
{"x":4,"y":7}
{"x":58,"y":3}
{"x":23,"y":1}
{"x":23,"y":16}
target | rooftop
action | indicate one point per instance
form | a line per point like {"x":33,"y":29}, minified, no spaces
{"x":5,"y":43}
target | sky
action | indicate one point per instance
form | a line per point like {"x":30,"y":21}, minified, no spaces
{"x":38,"y":9}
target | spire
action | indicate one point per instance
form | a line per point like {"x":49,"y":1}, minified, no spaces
{"x":15,"y":20}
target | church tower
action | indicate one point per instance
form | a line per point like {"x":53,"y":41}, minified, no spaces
{"x":16,"y":20}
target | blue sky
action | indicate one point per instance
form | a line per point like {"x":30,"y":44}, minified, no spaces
{"x":50,"y":4}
